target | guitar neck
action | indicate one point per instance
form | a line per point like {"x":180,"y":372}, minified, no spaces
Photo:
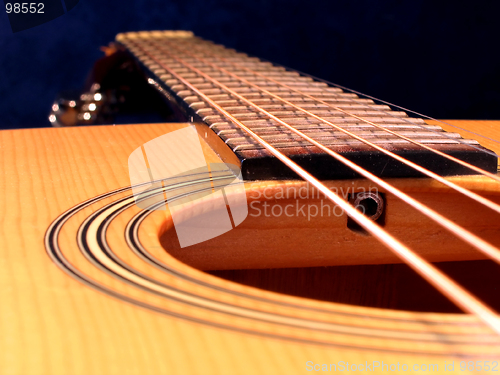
{"x":235,"y":95}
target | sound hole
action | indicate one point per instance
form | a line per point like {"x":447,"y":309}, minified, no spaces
{"x":286,"y":255}
{"x":391,"y":286}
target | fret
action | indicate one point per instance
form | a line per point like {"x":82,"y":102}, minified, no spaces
{"x":332,"y":137}
{"x":261,"y":100}
{"x":182,"y":90}
{"x":189,"y":69}
{"x":287,"y":114}
{"x":273,"y":103}
{"x":228,"y":128}
{"x":246,"y":145}
{"x":293,"y":96}
{"x":283,"y":110}
{"x":304,"y":121}
{"x":270,"y":134}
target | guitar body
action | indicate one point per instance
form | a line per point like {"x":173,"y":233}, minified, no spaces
{"x":137,"y":309}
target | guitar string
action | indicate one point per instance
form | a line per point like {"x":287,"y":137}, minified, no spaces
{"x":491,"y":251}
{"x":472,"y":241}
{"x":493,"y":206}
{"x":396,"y":106}
{"x":461,"y":297}
{"x":452,"y":158}
{"x":455,"y":229}
{"x":407,"y":119}
{"x":443,"y":134}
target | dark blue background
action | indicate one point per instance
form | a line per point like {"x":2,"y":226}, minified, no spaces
{"x":436,"y":57}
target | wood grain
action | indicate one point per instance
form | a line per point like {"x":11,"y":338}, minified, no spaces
{"x":52,"y":324}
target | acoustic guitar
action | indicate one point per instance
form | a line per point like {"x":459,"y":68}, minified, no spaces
{"x":366,"y":239}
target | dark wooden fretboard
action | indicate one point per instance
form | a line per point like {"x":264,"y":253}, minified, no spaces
{"x":172,"y":58}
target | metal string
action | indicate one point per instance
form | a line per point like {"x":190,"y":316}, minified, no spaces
{"x":399,"y":107}
{"x":443,"y":134}
{"x":442,"y":282}
{"x":452,"y":158}
{"x":474,"y":241}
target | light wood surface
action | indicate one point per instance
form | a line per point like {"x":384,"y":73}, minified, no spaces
{"x":50,"y":323}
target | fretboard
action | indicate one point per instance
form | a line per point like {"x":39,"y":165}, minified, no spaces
{"x":224,"y":88}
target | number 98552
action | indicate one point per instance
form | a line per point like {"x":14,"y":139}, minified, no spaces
{"x":24,"y":7}
{"x":479,"y":365}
